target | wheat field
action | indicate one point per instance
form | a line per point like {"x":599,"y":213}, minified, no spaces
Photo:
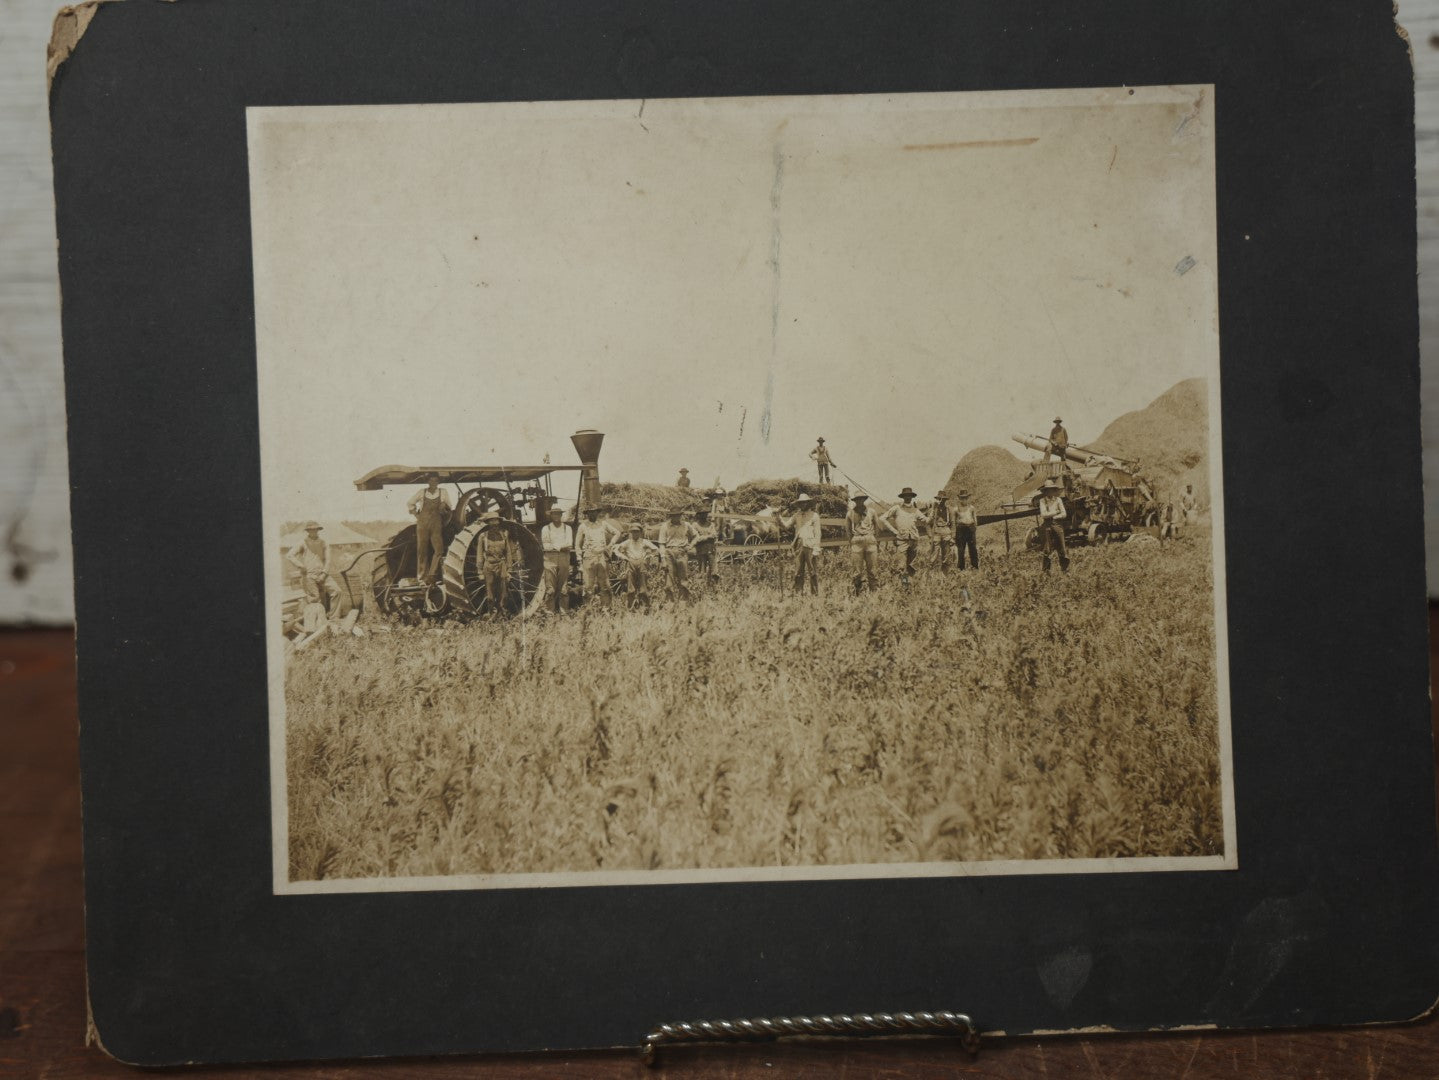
{"x":1062,"y":716}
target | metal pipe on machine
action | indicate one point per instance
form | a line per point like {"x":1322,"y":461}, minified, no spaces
{"x":587,"y":444}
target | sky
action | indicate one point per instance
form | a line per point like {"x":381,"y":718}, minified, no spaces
{"x":716,"y":282}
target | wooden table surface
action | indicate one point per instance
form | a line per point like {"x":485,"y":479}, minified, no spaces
{"x":42,"y":957}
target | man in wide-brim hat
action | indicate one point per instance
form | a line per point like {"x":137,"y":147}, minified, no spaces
{"x":904,"y":519}
{"x":941,"y":529}
{"x":431,"y":509}
{"x":820,"y":456}
{"x":557,"y":541}
{"x":806,"y":543}
{"x":636,"y":552}
{"x":593,"y":540}
{"x":1052,"y":515}
{"x":311,"y":556}
{"x":1058,"y":440}
{"x":676,"y":540}
{"x":862,"y":526}
{"x":496,"y":556}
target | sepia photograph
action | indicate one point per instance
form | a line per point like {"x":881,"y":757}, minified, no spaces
{"x":741,"y":489}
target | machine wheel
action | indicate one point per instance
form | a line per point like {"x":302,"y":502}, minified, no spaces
{"x":1031,"y":540}
{"x":1093,"y":533}
{"x":380,"y":582}
{"x":1142,"y":539}
{"x":464,"y":582}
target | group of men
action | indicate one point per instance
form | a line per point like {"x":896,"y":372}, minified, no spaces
{"x":594,"y":543}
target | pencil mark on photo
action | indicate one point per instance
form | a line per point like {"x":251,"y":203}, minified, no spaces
{"x":972,"y":144}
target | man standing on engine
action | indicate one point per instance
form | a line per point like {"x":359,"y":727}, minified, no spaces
{"x":431,"y":508}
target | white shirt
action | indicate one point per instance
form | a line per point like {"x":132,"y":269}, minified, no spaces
{"x":807,"y":529}
{"x":424,"y":494}
{"x":1051,"y":508}
{"x":556,"y":537}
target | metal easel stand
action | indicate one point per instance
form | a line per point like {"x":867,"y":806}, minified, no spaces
{"x":763,"y":1028}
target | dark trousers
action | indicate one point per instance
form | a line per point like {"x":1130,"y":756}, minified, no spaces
{"x":964,"y":541}
{"x":429,"y":546}
{"x":805,"y":566}
{"x":824,"y":472}
{"x":1051,"y":538}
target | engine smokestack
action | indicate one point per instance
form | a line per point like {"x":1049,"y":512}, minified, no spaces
{"x":587,"y":445}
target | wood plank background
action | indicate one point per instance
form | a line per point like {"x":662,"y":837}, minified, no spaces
{"x":35,"y":573}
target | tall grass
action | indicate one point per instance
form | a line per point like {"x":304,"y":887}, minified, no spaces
{"x":1063,"y":716}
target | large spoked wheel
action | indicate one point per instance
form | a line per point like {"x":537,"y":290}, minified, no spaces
{"x":464,"y":579}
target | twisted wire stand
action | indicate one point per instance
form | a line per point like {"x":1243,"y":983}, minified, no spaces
{"x":775,"y":1027}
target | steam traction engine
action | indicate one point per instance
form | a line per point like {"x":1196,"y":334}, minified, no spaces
{"x":520,"y":494}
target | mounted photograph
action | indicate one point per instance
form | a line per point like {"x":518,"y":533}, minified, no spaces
{"x":741,"y":489}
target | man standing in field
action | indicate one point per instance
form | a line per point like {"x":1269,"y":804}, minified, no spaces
{"x":1051,"y":525}
{"x":677,"y":540}
{"x":821,"y":458}
{"x":705,"y":539}
{"x":1058,"y":440}
{"x":806,"y":544}
{"x":430,"y":507}
{"x":966,"y":524}
{"x":635,"y":554}
{"x":862,"y":525}
{"x":592,"y":545}
{"x":496,"y":556}
{"x":1189,"y":505}
{"x":557,"y":541}
{"x":904,"y":520}
{"x":941,"y":528}
{"x":311,"y":556}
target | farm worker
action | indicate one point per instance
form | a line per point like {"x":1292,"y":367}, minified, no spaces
{"x":311,"y":556}
{"x":820,"y":456}
{"x":966,"y":522}
{"x":904,"y":520}
{"x":806,"y":544}
{"x":1169,"y":522}
{"x":677,"y":539}
{"x":557,"y":541}
{"x":862,"y":525}
{"x":941,"y":527}
{"x":496,"y":555}
{"x":431,"y":508}
{"x":1189,"y":504}
{"x":684,"y":479}
{"x":635,"y":553}
{"x":592,"y":545}
{"x":705,"y":539}
{"x":1051,"y":524}
{"x":1058,"y":440}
